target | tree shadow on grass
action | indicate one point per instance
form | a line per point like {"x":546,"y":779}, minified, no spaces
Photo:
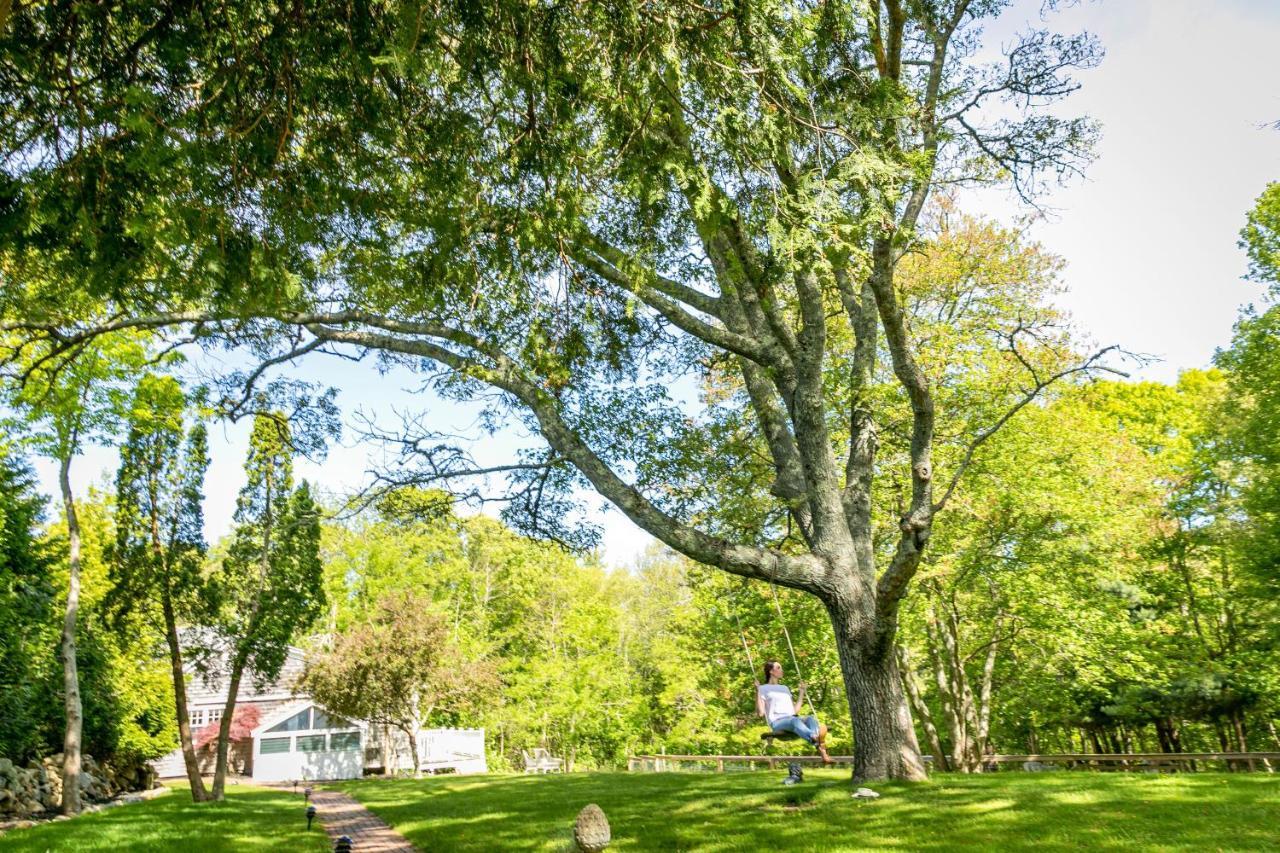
{"x":753,"y":811}
{"x":250,"y":819}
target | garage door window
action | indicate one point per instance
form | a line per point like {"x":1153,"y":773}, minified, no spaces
{"x":310,"y":743}
{"x":344,"y":740}
{"x":271,"y":745}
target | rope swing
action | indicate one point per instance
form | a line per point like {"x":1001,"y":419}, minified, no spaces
{"x":795,"y":663}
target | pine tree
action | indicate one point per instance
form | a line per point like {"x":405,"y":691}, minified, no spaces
{"x":159,"y":549}
{"x":270,"y":585}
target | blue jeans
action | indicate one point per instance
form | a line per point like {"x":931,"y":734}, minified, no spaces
{"x":805,"y":727}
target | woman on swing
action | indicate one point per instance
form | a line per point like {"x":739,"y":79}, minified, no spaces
{"x":774,"y":703}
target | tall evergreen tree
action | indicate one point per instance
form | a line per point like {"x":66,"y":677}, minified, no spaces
{"x":159,"y":548}
{"x":26,"y":610}
{"x":270,"y":584}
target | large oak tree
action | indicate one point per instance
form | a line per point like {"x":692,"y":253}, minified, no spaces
{"x":578,"y":207}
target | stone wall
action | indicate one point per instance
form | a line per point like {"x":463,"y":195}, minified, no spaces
{"x":37,"y":788}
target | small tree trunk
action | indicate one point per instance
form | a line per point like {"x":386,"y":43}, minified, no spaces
{"x":388,"y":752}
{"x":884,"y":739}
{"x":982,"y":740}
{"x":921,"y":709}
{"x":1242,"y":741}
{"x":224,"y":730}
{"x":70,"y":675}
{"x":410,"y":730}
{"x":1221,"y":734}
{"x":946,"y":693}
{"x":1093,"y":739}
{"x":198,"y":793}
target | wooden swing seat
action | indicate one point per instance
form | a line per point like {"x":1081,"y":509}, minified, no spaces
{"x":770,"y":736}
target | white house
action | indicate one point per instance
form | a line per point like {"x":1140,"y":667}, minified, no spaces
{"x":296,"y":739}
{"x":207,"y":696}
{"x":302,"y":742}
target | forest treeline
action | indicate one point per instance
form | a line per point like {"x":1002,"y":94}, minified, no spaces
{"x":1106,"y":580}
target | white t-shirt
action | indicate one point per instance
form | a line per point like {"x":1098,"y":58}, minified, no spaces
{"x":778,"y":704}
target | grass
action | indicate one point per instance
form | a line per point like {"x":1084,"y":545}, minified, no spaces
{"x":752,"y":811}
{"x":251,"y":818}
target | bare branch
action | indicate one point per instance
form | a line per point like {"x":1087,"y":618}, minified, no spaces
{"x":1089,"y":365}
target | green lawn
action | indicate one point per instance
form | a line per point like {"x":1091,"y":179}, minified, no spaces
{"x":251,"y":818}
{"x":752,"y":812}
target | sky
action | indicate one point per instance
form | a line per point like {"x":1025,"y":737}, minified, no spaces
{"x":1186,"y":96}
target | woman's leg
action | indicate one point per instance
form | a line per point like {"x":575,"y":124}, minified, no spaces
{"x":795,"y":726}
{"x":818,"y":729}
{"x":798,"y":726}
{"x":816,"y":734}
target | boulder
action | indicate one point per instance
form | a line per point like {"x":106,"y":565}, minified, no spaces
{"x":591,"y":829}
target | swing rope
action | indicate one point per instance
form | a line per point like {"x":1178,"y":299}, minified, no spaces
{"x":743,"y":635}
{"x":773,"y":590}
{"x":795,"y":663}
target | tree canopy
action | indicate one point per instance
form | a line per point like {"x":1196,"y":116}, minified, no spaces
{"x":576,"y":210}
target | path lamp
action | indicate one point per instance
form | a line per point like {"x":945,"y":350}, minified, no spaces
{"x":311,"y":815}
{"x":342,"y":845}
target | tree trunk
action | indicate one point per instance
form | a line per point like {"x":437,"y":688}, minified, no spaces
{"x":1221,"y":735}
{"x":224,"y":730}
{"x":70,"y":675}
{"x":1093,"y":739}
{"x":884,"y":739}
{"x":946,"y":691}
{"x":921,"y":709}
{"x":410,"y":731}
{"x":1242,"y":740}
{"x":389,"y":763}
{"x":198,"y":793}
{"x":982,"y":742}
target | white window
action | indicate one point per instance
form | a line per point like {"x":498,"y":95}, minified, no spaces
{"x":215,"y":714}
{"x":197,"y":718}
{"x":310,"y":743}
{"x":341,"y":741}
{"x":272,"y":745}
{"x":299,"y":722}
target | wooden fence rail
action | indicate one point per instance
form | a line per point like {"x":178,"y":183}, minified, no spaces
{"x":1144,"y":759}
{"x":1135,"y":756}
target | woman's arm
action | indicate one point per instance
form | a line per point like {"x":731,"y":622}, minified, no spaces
{"x":759,"y":701}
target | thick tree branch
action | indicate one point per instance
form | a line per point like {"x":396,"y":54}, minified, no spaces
{"x":800,"y":572}
{"x":738,"y":344}
{"x":860,"y":464}
{"x":915,"y":524}
{"x":691,"y":296}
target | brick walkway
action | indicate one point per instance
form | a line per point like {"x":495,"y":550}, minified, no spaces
{"x":343,"y":815}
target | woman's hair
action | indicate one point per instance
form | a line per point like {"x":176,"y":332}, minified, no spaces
{"x":768,"y":668}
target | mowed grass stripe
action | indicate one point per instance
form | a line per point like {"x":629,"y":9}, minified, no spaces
{"x":752,"y":811}
{"x":250,"y":819}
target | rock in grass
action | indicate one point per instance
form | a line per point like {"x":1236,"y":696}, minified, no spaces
{"x":591,"y":829}
{"x":865,"y":794}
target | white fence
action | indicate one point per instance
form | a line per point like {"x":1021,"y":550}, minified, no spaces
{"x":461,"y":750}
